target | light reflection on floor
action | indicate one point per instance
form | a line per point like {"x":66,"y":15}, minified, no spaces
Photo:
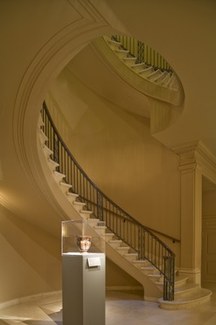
{"x":121,"y":308}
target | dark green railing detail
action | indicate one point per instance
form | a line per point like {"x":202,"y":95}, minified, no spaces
{"x":143,"y":52}
{"x":147,"y":245}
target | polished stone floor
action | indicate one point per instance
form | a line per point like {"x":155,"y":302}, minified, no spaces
{"x":121,"y":308}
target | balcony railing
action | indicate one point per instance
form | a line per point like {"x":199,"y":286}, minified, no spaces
{"x":143,"y":53}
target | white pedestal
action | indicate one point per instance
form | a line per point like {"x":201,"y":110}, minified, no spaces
{"x":83,"y":288}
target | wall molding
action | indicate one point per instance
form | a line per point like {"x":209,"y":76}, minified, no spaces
{"x":196,"y":154}
{"x":49,"y":60}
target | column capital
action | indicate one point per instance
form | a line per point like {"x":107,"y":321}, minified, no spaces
{"x":187,"y":155}
{"x":196,"y":154}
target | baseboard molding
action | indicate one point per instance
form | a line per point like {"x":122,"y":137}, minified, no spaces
{"x":31,"y":298}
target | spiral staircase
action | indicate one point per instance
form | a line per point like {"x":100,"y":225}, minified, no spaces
{"x":144,"y":270}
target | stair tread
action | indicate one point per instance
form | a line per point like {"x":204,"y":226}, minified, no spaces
{"x":47,"y":149}
{"x":129,"y":58}
{"x":65,"y":184}
{"x":186,"y":288}
{"x":59,"y":173}
{"x":121,"y":51}
{"x":51,"y":161}
{"x":114,"y":42}
{"x":148,"y":268}
{"x":100,"y":227}
{"x":86,"y":211}
{"x":197,"y":294}
{"x":72,"y":194}
{"x":138,"y":64}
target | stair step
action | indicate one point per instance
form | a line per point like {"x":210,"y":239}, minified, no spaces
{"x":79,"y":205}
{"x":72,"y":196}
{"x":109,"y":236}
{"x":131,"y":256}
{"x":92,"y":222}
{"x":166,"y":79}
{"x":52,"y":164}
{"x":112,"y":41}
{"x":159,"y":79}
{"x":154,"y":75}
{"x":139,"y":66}
{"x":47,"y":151}
{"x":115,"y":243}
{"x":129,"y":60}
{"x":148,"y":269}
{"x":40,"y":121}
{"x":121,"y":53}
{"x":65,"y":187}
{"x":100,"y":230}
{"x":86,"y":214}
{"x":141,"y":263}
{"x":43,"y":137}
{"x":58,"y":176}
{"x":195,"y":298}
{"x":180,"y":280}
{"x":184,"y":290}
{"x":156,"y":277}
{"x":123,"y":249}
{"x":146,"y":72}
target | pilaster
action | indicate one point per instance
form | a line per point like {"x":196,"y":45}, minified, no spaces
{"x":191,"y":212}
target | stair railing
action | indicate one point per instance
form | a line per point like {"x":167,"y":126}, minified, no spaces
{"x":147,"y":245}
{"x":143,"y":52}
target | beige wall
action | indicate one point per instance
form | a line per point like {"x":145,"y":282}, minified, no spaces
{"x":30,"y":258}
{"x":118,"y":278}
{"x":118,"y":152}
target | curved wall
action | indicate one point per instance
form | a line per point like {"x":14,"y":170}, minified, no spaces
{"x":117,"y":151}
{"x":37,"y":40}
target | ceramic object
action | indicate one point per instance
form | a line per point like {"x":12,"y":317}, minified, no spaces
{"x":84,"y":243}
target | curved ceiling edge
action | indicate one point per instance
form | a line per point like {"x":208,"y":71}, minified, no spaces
{"x":45,"y":66}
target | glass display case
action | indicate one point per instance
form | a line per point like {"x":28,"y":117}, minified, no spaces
{"x":82,"y":236}
{"x":83,"y":272}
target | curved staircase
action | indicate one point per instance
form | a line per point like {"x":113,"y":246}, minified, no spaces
{"x":118,"y":250}
{"x":153,"y":78}
{"x":160,"y":76}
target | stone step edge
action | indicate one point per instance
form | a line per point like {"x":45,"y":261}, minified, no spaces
{"x":186,"y":303}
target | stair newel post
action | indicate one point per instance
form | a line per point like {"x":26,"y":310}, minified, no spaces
{"x":169,"y":280}
{"x":100,"y":205}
